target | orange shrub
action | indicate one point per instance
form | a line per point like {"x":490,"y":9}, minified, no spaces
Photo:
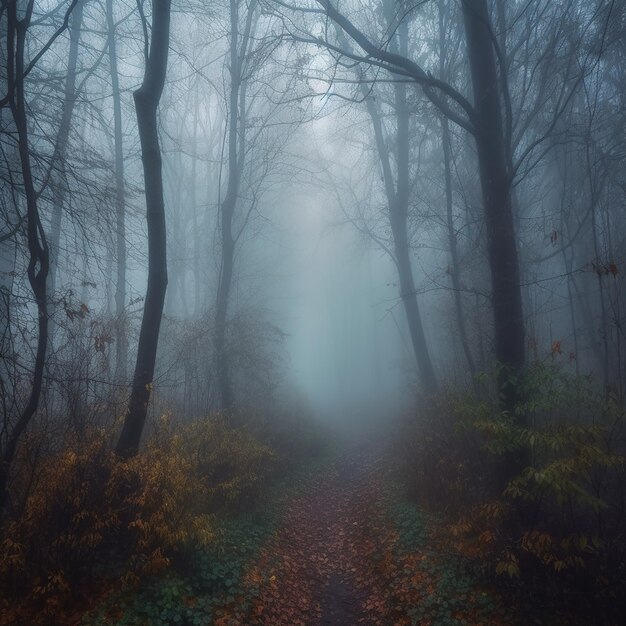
{"x":87,"y":516}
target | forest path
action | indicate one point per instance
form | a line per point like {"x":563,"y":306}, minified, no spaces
{"x":318,"y":569}
{"x":335,"y":562}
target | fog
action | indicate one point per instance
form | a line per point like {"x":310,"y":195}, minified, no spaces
{"x":310,"y":241}
{"x":345,"y":345}
{"x":379,"y":243}
{"x":334,"y":229}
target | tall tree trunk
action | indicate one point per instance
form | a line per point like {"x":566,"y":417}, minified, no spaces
{"x":58,"y":164}
{"x":496,"y":190}
{"x":121,"y":324}
{"x":397,"y":193}
{"x":455,"y":266}
{"x":594,"y":199}
{"x":147,"y":99}
{"x":409,"y":300}
{"x":38,"y":262}
{"x":455,"y":269}
{"x":495,"y":179}
{"x":194,"y":207}
{"x":399,"y":214}
{"x":227,"y":211}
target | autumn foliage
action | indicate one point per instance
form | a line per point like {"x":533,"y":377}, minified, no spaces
{"x":88,"y":522}
{"x":557,"y":525}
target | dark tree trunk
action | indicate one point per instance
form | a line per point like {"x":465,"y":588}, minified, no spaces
{"x":455,"y":266}
{"x":409,"y":300}
{"x":227,"y":211}
{"x":496,"y":189}
{"x":38,"y":262}
{"x":399,"y":214}
{"x":495,"y":179}
{"x":236,"y":155}
{"x":121,"y":350}
{"x":397,"y":193}
{"x":58,"y":172}
{"x":484,"y":121}
{"x":147,"y":99}
{"x":221,"y":311}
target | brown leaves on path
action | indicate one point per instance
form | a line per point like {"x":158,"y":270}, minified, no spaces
{"x":335,"y":561}
{"x":320,"y":569}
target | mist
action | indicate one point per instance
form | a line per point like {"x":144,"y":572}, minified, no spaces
{"x":312,"y":312}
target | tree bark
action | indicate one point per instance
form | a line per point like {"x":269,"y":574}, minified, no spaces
{"x":399,"y":214}
{"x":236,"y":157}
{"x":147,"y":99}
{"x":121,"y":350}
{"x":484,"y":120}
{"x":409,"y":300}
{"x":397,"y":193}
{"x":38,"y":263}
{"x":227,"y":211}
{"x":455,"y":269}
{"x":455,"y":266}
{"x":58,"y":171}
{"x":496,"y":190}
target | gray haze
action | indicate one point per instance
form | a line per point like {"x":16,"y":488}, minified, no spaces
{"x":314,"y":308}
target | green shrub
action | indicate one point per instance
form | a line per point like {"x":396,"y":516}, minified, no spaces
{"x":560,"y":518}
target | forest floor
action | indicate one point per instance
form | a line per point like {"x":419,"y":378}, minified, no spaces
{"x":347,"y":552}
{"x":343,"y":547}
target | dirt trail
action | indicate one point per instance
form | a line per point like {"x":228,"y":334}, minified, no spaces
{"x":317,"y":570}
{"x":334,"y":562}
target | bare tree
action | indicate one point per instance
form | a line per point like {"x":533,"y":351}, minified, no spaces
{"x":121,"y":350}
{"x":38,"y":251}
{"x":455,"y":265}
{"x":58,"y":163}
{"x":397,"y":191}
{"x":237,"y":105}
{"x":147,"y":99}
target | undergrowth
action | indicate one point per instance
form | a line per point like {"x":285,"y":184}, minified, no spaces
{"x":87,"y":525}
{"x":212,"y":585}
{"x":432,"y":583}
{"x":555,"y":531}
